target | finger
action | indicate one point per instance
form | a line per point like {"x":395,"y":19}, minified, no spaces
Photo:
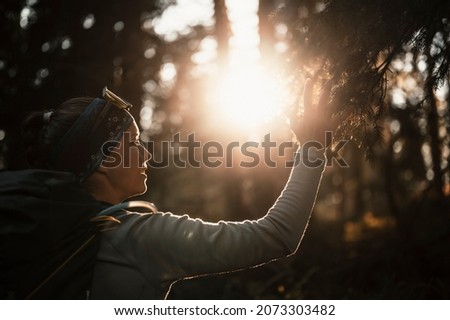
{"x":325,"y":98}
{"x":308,"y":95}
{"x":291,"y":115}
{"x":294,"y":111}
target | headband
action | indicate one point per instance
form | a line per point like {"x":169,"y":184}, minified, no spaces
{"x":86,"y":144}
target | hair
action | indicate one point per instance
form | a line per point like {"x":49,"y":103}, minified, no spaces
{"x":42,"y":135}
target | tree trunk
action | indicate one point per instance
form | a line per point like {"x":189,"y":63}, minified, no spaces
{"x":435,"y":141}
{"x":222,"y":32}
{"x":266,"y":32}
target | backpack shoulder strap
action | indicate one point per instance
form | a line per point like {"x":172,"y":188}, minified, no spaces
{"x":109,"y":218}
{"x":127,"y":205}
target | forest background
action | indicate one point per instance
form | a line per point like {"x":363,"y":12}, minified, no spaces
{"x":229,"y":71}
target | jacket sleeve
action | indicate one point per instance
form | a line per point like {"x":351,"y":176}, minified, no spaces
{"x":176,"y":247}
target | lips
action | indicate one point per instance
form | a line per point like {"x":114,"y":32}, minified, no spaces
{"x":144,"y":169}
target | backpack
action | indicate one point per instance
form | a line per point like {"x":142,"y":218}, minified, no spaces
{"x":49,"y":234}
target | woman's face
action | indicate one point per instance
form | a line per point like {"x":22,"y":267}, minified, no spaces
{"x":126,"y":165}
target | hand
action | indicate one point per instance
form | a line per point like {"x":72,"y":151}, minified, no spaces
{"x":314,"y":122}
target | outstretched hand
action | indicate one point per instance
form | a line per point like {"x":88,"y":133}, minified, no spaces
{"x":315,"y":121}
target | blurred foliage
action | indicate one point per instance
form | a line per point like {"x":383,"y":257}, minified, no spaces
{"x":380,"y":229}
{"x":355,"y":42}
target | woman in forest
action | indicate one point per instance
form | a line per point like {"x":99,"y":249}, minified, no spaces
{"x":86,"y":156}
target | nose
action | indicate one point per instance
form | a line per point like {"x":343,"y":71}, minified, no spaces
{"x":145,"y":154}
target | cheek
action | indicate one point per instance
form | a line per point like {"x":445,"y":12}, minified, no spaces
{"x":129,"y":159}
{"x":134,"y":159}
{"x":130,"y":172}
{"x":114,"y":159}
{"x":134,"y":170}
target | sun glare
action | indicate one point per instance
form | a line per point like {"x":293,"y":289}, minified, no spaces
{"x":249,"y":97}
{"x":244,"y":96}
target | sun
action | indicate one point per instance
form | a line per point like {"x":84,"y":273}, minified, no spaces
{"x":249,"y":97}
{"x":245,"y":91}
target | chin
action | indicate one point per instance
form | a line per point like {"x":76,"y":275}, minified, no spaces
{"x":141,"y":191}
{"x":144,"y":190}
{"x":137,"y":192}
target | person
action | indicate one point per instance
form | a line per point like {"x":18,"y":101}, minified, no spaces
{"x":97,"y":142}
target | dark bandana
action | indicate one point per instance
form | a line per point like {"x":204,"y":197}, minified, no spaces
{"x":86,"y":144}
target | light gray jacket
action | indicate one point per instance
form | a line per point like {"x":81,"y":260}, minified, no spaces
{"x":148,"y":252}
